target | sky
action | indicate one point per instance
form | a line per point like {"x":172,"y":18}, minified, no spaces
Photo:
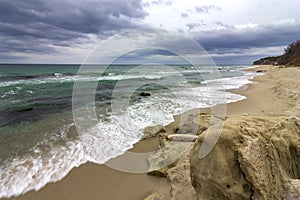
{"x":69,"y":31}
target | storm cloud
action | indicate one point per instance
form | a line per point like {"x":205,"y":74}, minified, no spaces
{"x":36,"y":25}
{"x":268,"y":35}
{"x":67,"y":30}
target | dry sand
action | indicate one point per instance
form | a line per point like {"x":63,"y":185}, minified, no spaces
{"x":261,"y":98}
{"x":275,"y":93}
{"x":91,"y":181}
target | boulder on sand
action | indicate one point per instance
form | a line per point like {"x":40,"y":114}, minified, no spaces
{"x":152,"y":131}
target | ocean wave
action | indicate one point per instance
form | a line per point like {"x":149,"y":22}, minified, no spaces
{"x":112,"y":137}
{"x":34,"y":171}
{"x":63,"y":79}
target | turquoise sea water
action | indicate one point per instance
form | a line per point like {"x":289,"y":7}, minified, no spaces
{"x":38,"y":141}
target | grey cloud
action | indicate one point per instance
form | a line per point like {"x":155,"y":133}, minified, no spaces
{"x":37,"y":24}
{"x":184,"y":15}
{"x":278,"y":3}
{"x":233,"y":40}
{"x":143,"y":54}
{"x":5,"y":58}
{"x":157,"y":2}
{"x":38,"y":30}
{"x":28,"y":44}
{"x":145,"y":4}
{"x":235,"y":59}
{"x":168,"y":3}
{"x":162,"y":3}
{"x":233,"y":45}
{"x":197,"y":25}
{"x":85,"y":17}
{"x":226,"y":26}
{"x":207,"y":9}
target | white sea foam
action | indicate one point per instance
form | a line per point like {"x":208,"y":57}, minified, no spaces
{"x":42,"y":166}
{"x":62,"y":79}
{"x":58,"y":74}
{"x":34,"y":172}
{"x":110,"y":139}
{"x":230,"y":83}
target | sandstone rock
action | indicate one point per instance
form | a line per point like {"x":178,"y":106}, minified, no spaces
{"x":179,"y":177}
{"x":254,"y":158}
{"x":182,"y":137}
{"x":178,"y":172}
{"x":163,"y":140}
{"x":152,"y":131}
{"x":172,"y":146}
{"x":292,"y":190}
{"x":193,"y":124}
{"x":164,"y":158}
{"x":159,"y":172}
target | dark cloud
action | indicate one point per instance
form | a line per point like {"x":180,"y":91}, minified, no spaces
{"x":207,"y":9}
{"x":43,"y":27}
{"x":231,"y":44}
{"x":229,"y":38}
{"x":80,"y":16}
{"x":36,"y":25}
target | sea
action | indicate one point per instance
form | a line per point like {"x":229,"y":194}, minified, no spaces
{"x":39,"y":143}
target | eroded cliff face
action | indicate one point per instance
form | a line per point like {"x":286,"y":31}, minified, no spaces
{"x":255,"y":158}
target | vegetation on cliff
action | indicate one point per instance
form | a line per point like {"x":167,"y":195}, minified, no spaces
{"x":291,"y":57}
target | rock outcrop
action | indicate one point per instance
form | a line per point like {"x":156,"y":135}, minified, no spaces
{"x":255,"y":158}
{"x":172,"y":159}
{"x":193,"y":124}
{"x":152,"y":131}
{"x":180,"y":179}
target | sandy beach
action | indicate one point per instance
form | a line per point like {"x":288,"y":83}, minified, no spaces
{"x":89,"y":181}
{"x":261,"y":95}
{"x":149,"y":100}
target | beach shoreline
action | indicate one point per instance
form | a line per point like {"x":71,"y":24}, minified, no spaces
{"x":91,"y":181}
